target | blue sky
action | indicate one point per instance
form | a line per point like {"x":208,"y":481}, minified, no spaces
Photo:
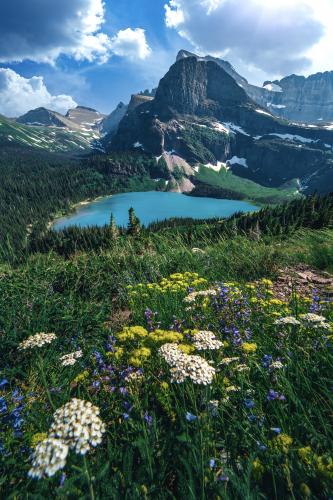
{"x":58,"y":53}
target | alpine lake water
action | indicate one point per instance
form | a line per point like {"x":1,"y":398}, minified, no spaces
{"x":150,"y":207}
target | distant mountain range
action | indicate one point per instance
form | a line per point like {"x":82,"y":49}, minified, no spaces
{"x":296,"y":98}
{"x":204,"y":116}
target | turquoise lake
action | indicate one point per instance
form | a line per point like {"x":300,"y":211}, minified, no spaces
{"x":150,"y":206}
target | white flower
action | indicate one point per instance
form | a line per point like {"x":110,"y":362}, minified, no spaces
{"x":312,"y":318}
{"x":49,"y":457}
{"x":70,"y":359}
{"x":276,"y":365}
{"x":37,"y":340}
{"x":77,"y":424}
{"x":289,"y":320}
{"x":228,"y":361}
{"x":170,"y":353}
{"x":193,"y":367}
{"x":185,"y":366}
{"x":202,"y":293}
{"x":206,"y":340}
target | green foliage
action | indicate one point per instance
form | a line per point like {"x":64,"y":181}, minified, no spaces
{"x":157,"y":452}
{"x":241,"y":188}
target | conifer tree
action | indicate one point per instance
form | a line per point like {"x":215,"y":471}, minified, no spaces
{"x":134,"y":225}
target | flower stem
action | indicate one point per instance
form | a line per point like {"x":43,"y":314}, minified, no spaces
{"x":88,"y":476}
{"x":41,"y":368}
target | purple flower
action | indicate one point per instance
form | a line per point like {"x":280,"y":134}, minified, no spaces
{"x":261,"y":446}
{"x":266,"y":360}
{"x":249,"y":403}
{"x":212,"y":463}
{"x":223,"y":478}
{"x":273,"y":395}
{"x":190,"y":417}
{"x":277,"y":430}
{"x":62,"y":480}
{"x":148,"y":419}
{"x":3,"y":382}
{"x":126,"y":416}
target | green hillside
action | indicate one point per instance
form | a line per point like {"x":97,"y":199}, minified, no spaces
{"x":246,"y":188}
{"x":51,"y":139}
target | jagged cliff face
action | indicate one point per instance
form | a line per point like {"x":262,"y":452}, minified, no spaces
{"x":304,"y":99}
{"x":202,"y":115}
{"x":295,"y":98}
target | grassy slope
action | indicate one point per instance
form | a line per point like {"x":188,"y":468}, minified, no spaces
{"x":253,"y":191}
{"x":77,"y":299}
{"x":51,"y":139}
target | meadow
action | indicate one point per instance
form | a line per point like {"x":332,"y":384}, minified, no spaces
{"x":165,"y":369}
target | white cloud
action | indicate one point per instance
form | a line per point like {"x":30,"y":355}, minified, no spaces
{"x":173,"y":14}
{"x":266,"y":37}
{"x":131,"y":43}
{"x":43,"y":30}
{"x":18,"y":95}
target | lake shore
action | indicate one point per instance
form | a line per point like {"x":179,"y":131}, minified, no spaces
{"x":74,"y":208}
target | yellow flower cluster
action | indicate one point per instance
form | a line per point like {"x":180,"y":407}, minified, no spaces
{"x":249,"y":347}
{"x":282,"y":442}
{"x":140,"y":343}
{"x":323,"y":464}
{"x":175,"y":283}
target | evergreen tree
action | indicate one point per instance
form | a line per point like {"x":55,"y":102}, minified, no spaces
{"x":134,"y":225}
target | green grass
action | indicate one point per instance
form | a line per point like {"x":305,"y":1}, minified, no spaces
{"x":85,"y":300}
{"x":50,"y":139}
{"x":245,"y":187}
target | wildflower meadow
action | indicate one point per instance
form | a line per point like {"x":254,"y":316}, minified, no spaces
{"x":208,"y":389}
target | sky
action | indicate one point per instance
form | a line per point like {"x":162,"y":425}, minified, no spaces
{"x":63,"y":53}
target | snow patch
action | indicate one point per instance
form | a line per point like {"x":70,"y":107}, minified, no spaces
{"x":295,"y":138}
{"x":235,"y":128}
{"x":262,"y":112}
{"x":235,"y":160}
{"x":220,"y":127}
{"x":137,"y":144}
{"x":276,"y":106}
{"x":216,"y":167}
{"x":273,"y":87}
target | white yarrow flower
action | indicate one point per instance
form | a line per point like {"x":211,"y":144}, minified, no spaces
{"x":49,"y":457}
{"x":70,"y":359}
{"x":37,"y":340}
{"x":206,"y":340}
{"x":288,"y":320}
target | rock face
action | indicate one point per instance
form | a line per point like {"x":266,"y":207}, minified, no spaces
{"x":110,"y":123}
{"x":295,"y":98}
{"x":43,"y":116}
{"x":84,"y":117}
{"x":201,"y":114}
{"x":304,"y":99}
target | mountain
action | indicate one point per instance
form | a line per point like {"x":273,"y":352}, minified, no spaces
{"x":53,"y":139}
{"x":110,"y":123}
{"x":203,"y":116}
{"x":44,"y":117}
{"x":303,"y":99}
{"x":296,"y":98}
{"x":84,"y":117}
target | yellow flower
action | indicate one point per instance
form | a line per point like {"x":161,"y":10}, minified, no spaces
{"x":305,"y":454}
{"x":164,"y":386}
{"x":267,"y":282}
{"x":132,"y":333}
{"x":81,"y":377}
{"x":186,"y":348}
{"x":249,"y":347}
{"x":138,"y":356}
{"x":282,"y":442}
{"x":37,"y":438}
{"x":257,"y":469}
{"x":163,"y":337}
